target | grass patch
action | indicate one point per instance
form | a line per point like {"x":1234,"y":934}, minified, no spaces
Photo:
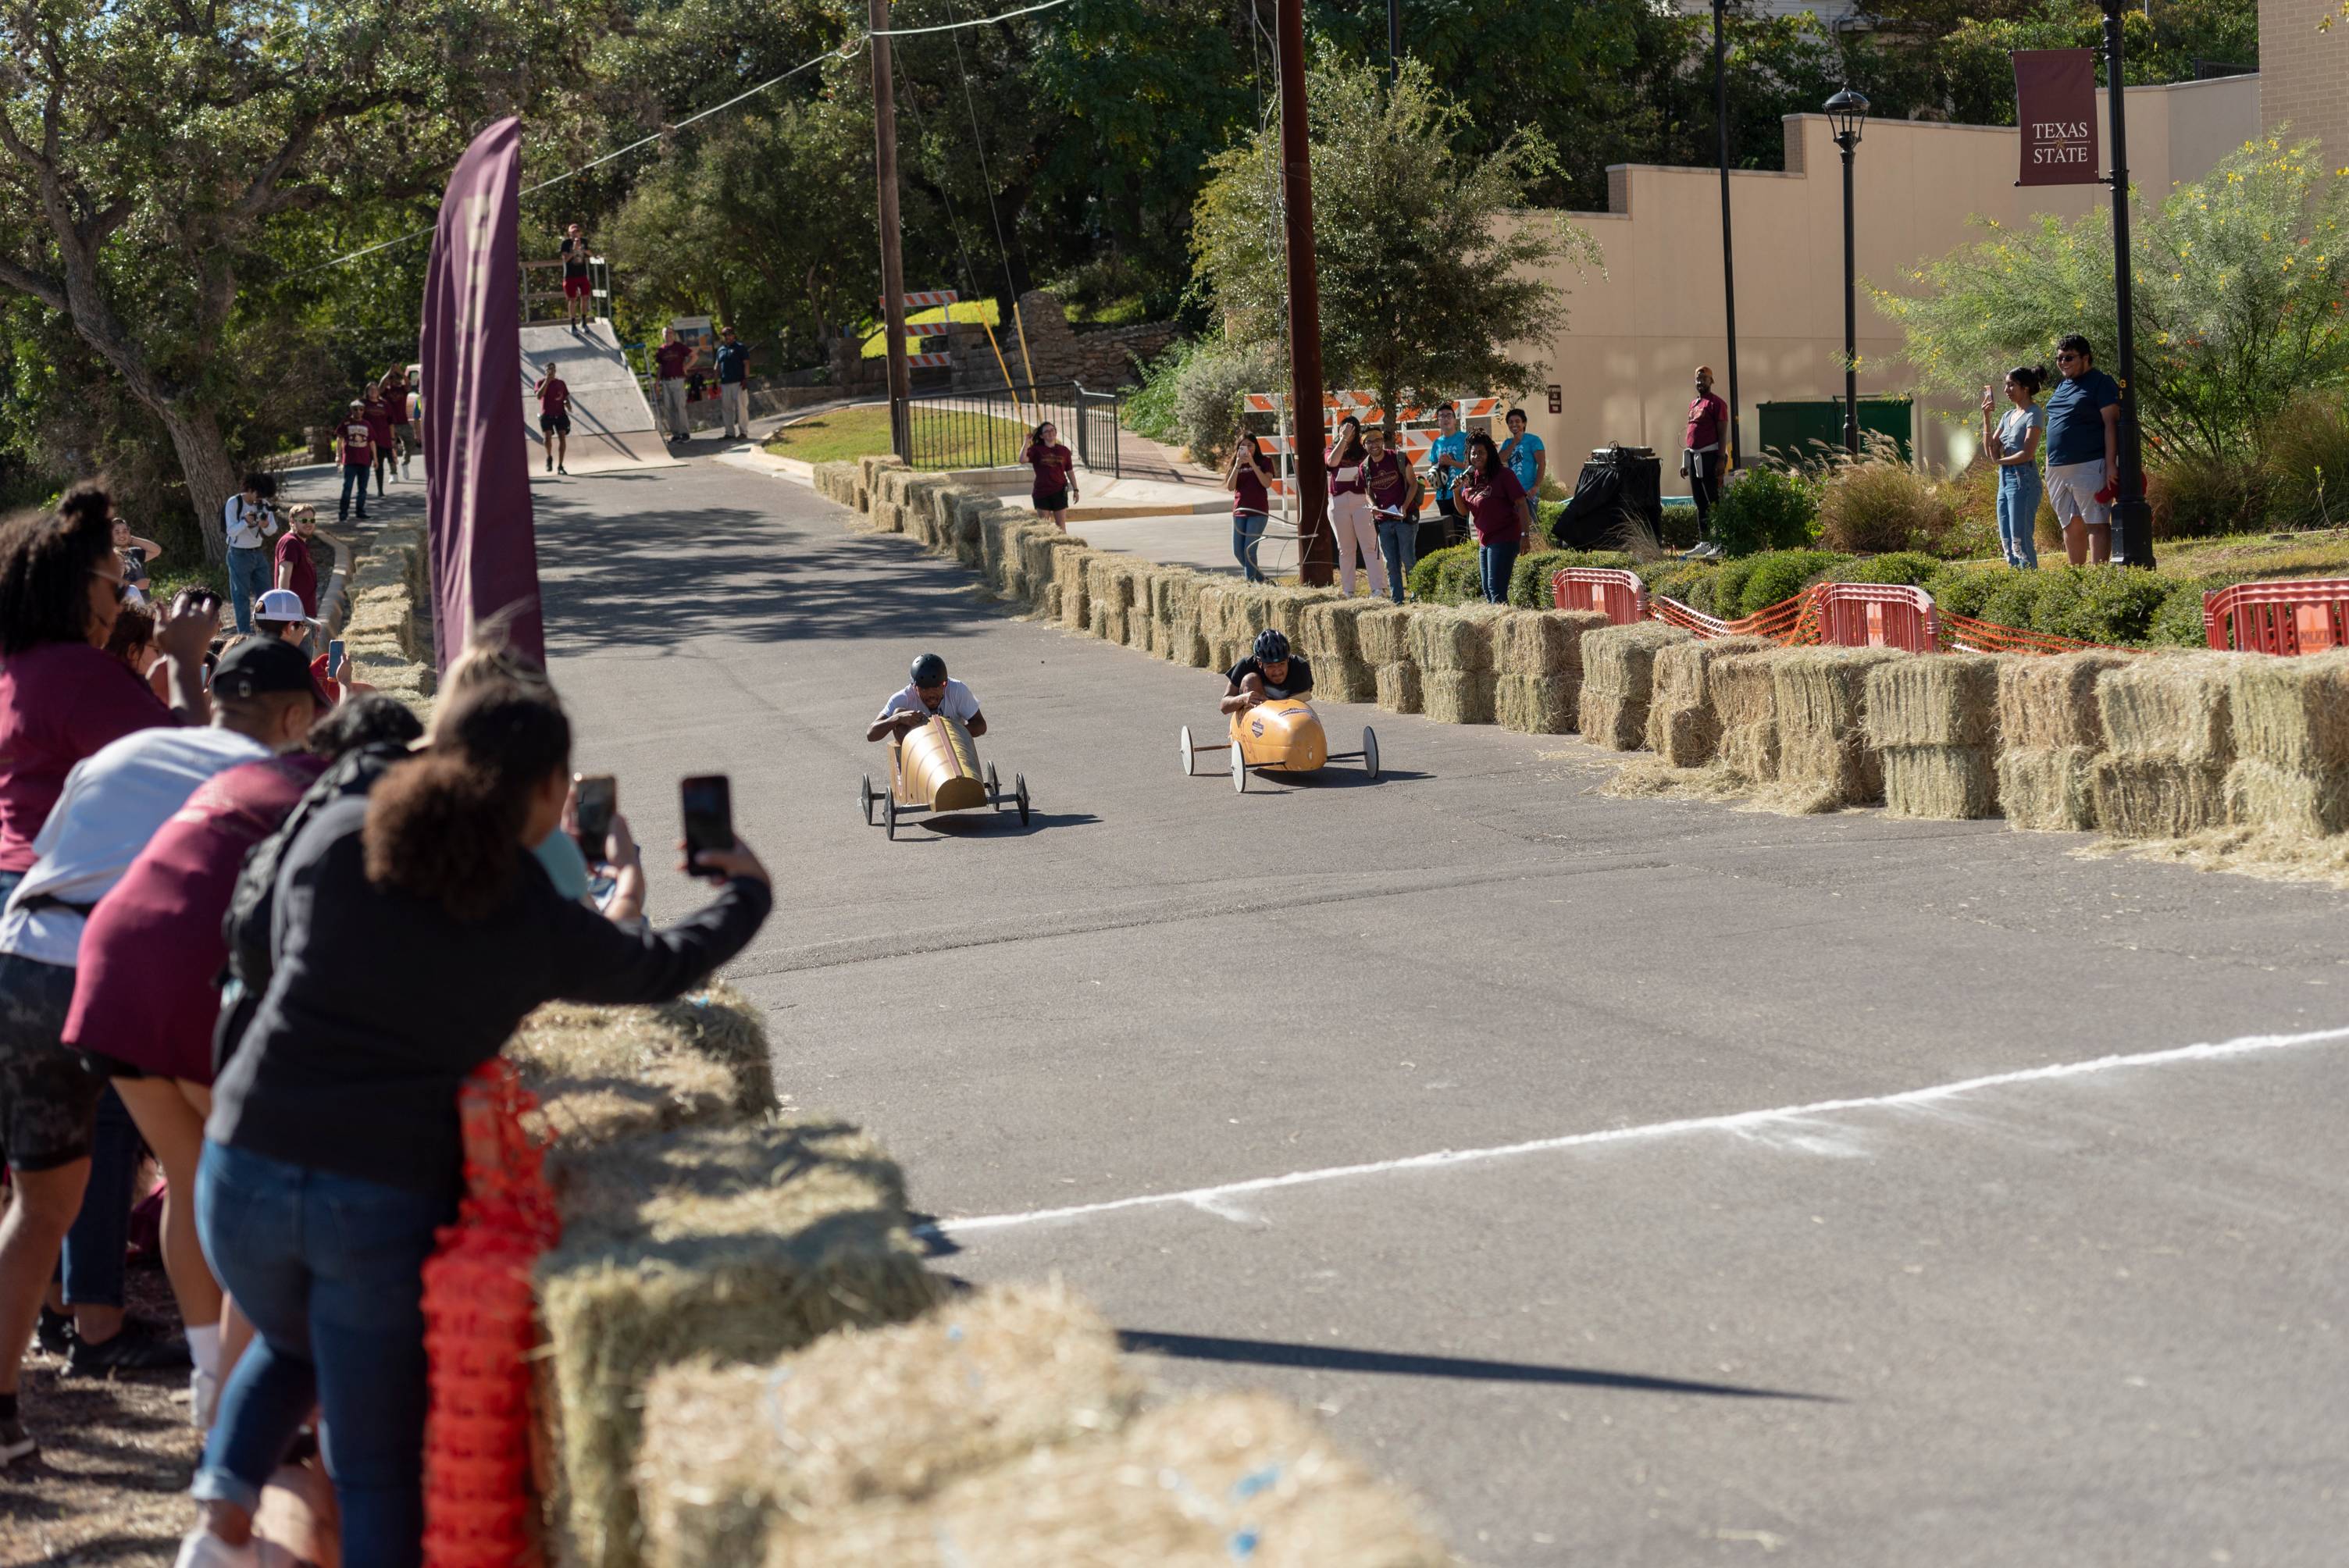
{"x":848,"y":434}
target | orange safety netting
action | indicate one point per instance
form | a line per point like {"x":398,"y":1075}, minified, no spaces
{"x":1966,"y":634}
{"x":480,"y":1332}
{"x":1792,"y":622}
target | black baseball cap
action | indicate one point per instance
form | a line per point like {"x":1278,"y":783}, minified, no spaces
{"x":256,"y":667}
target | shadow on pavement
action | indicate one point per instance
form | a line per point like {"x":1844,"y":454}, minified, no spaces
{"x":1333,"y":1358}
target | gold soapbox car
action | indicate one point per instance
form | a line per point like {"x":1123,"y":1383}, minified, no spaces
{"x":936,"y":769}
{"x":1282,"y":734}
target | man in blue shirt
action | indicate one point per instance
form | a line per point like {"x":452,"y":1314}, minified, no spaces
{"x":1524,"y":456}
{"x":733,"y":385}
{"x":2083,"y":420}
{"x":1447,"y":454}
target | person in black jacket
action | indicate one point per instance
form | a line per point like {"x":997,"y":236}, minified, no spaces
{"x":413,"y":930}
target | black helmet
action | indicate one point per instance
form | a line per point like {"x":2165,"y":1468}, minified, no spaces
{"x":929,"y":670}
{"x":1271,"y":647}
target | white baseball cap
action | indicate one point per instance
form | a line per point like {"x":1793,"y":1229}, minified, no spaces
{"x":280,"y":604}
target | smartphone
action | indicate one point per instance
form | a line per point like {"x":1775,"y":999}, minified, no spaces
{"x":709,"y":800}
{"x":599,"y":797}
{"x":335,"y":658}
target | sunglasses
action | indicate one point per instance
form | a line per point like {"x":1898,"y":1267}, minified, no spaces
{"x":2065,"y":358}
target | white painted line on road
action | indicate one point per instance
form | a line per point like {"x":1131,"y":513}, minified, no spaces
{"x":1219,"y":1199}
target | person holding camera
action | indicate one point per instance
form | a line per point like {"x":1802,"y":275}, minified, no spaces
{"x":250,"y":518}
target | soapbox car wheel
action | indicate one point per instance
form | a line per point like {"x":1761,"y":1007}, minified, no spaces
{"x":1187,"y":769}
{"x":1019,"y":789}
{"x":865,"y":797}
{"x":889,"y":813}
{"x":1370,"y":751}
{"x":1239,"y":771}
{"x":993,"y":790}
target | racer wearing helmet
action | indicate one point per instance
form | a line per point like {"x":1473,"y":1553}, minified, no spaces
{"x":1270,"y":671}
{"x":929,"y":694}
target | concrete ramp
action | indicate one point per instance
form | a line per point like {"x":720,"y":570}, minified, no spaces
{"x":611,"y":424}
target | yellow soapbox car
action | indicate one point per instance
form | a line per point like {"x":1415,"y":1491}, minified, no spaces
{"x":1282,"y":734}
{"x":936,"y":769}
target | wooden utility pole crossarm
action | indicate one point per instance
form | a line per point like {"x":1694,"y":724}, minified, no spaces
{"x":1317,"y":551}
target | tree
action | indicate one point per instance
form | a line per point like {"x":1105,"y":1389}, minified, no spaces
{"x":154,"y":151}
{"x":2241,"y":286}
{"x":1430,"y":277}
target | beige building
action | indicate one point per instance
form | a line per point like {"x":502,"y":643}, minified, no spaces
{"x":1633,"y":336}
{"x":2304,"y":72}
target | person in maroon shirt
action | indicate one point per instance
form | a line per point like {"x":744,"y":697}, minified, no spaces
{"x":1389,"y":478}
{"x":378,"y":424}
{"x":670,"y":361}
{"x":1498,"y":513}
{"x":1056,"y":474}
{"x":393,"y":389}
{"x":296,"y":569}
{"x":554,"y":417}
{"x":1704,"y":453}
{"x":354,"y":450}
{"x":1250,"y":475}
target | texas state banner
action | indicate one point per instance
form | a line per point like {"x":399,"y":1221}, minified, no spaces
{"x":2055,"y":107}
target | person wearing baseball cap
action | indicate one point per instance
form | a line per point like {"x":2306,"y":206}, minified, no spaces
{"x":263,"y":702}
{"x":279,"y":616}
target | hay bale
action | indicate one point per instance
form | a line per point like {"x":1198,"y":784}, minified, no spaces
{"x":1344,"y":680}
{"x":720,"y":1245}
{"x":2046,"y":789}
{"x":1620,"y":661}
{"x":2142,"y":797}
{"x":1605,"y":719}
{"x":1948,"y":700}
{"x":1214,"y":1479}
{"x":2174,"y":706}
{"x":605,"y":1073}
{"x":1946,"y":783}
{"x":1070,"y":567}
{"x":2292,"y":734}
{"x":1382,"y":632}
{"x":2286,"y":799}
{"x":1329,"y":629}
{"x":1179,"y":643}
{"x":1684,"y":727}
{"x":2049,"y":702}
{"x":1399,"y":689}
{"x":734,"y":1454}
{"x":1445,"y":638}
{"x":1108,"y":621}
{"x":1543,"y":642}
{"x":1456,"y":696}
{"x":1820,"y":697}
{"x":1537,"y":705}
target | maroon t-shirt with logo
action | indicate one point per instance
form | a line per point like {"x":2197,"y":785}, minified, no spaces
{"x":1248,"y":492}
{"x":555,"y":397}
{"x":1053,"y":464}
{"x":292,"y":549}
{"x":1493,"y":507}
{"x":1339,"y":483}
{"x":358,"y":443}
{"x":668,"y":361}
{"x":1388,"y":487}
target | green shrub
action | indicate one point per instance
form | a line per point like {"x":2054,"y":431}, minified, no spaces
{"x":2198,"y":496}
{"x":2110,"y":605}
{"x":1190,"y":396}
{"x":2308,"y":463}
{"x":1461,"y":580}
{"x":1428,"y":570}
{"x":1879,"y":503}
{"x":1777,"y":576}
{"x":2178,"y":622}
{"x":1764,"y":508}
{"x":1679,"y":523}
{"x":1529,"y":583}
{"x":1729,"y":586}
{"x":1965,"y":590}
{"x":2014,"y":600}
{"x":1912,"y":567}
{"x":1685,"y":580}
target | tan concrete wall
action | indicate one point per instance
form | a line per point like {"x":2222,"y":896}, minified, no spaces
{"x":2304,"y":74}
{"x":1633,"y":337}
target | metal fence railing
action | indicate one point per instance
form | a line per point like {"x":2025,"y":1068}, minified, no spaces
{"x":979,"y":429}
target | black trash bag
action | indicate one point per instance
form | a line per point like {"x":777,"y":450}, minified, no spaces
{"x":1617,"y":505}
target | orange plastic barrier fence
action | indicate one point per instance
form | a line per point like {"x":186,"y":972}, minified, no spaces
{"x":1963,"y":633}
{"x":480,"y":1331}
{"x":1877,"y":615}
{"x":2306,"y":616}
{"x":1619,"y":595}
{"x":1793,"y":622}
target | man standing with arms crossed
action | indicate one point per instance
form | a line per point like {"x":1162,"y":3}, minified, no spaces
{"x":670,"y":361}
{"x":733,"y":385}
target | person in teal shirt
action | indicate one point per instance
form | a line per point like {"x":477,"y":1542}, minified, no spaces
{"x":1447,"y":454}
{"x":1525,"y":455}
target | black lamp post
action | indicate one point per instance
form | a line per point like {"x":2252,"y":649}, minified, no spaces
{"x":1734,"y":455}
{"x":1845,"y":110}
{"x":2132,"y":518}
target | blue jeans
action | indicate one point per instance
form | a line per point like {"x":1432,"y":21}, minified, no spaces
{"x":90,"y":1264}
{"x":1498,"y":562}
{"x":1247,"y":533}
{"x":1399,"y":543}
{"x":248,"y":577}
{"x":2018,"y":514}
{"x":354,"y":477}
{"x":329,"y":1269}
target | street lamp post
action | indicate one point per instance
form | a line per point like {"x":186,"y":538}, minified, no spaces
{"x":2132,"y":518}
{"x":1734,"y":453}
{"x":1845,"y":110}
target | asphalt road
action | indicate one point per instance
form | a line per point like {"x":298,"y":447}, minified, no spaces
{"x":2070,"y":1316}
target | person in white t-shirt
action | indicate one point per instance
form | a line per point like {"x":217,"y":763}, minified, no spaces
{"x":931,"y":694}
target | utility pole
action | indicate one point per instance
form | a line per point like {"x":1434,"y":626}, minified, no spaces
{"x":1317,"y":551}
{"x":1394,"y":41}
{"x":2132,"y":518}
{"x":1733,"y":454}
{"x":892,"y":262}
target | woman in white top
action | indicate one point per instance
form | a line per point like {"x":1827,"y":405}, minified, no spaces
{"x":1351,"y":517}
{"x":2014,"y":445}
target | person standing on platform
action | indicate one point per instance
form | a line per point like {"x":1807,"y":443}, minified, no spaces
{"x":355,"y":444}
{"x":578,"y":290}
{"x":669,"y":361}
{"x":1703,"y":450}
{"x":734,"y":386}
{"x":248,"y":520}
{"x":1249,"y":477}
{"x":1349,"y":508}
{"x":553,"y":416}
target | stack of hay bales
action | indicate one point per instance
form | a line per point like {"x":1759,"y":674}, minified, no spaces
{"x":1538,"y":668}
{"x":386,"y":644}
{"x":1383,"y":636}
{"x":2169,"y":739}
{"x":1182,"y":638}
{"x":836,"y":481}
{"x":736,"y":1455}
{"x":604,"y":1073}
{"x":1109,"y":596}
{"x":2050,"y":734}
{"x":1453,"y":651}
{"x":2292,"y":743}
{"x":1215,"y":1479}
{"x":1040,"y":553}
{"x":1820,"y":696}
{"x":1934,"y":722}
{"x":1142,"y":615}
{"x":1744,"y":693}
{"x":1073,"y":573}
{"x":1684,"y":721}
{"x":1618,"y":669}
{"x":1223,"y":621}
{"x":725,"y":1245}
{"x":1330,"y":641}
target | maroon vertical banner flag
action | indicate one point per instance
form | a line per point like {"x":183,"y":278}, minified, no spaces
{"x":2055,"y":107}
{"x":477,"y":474}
